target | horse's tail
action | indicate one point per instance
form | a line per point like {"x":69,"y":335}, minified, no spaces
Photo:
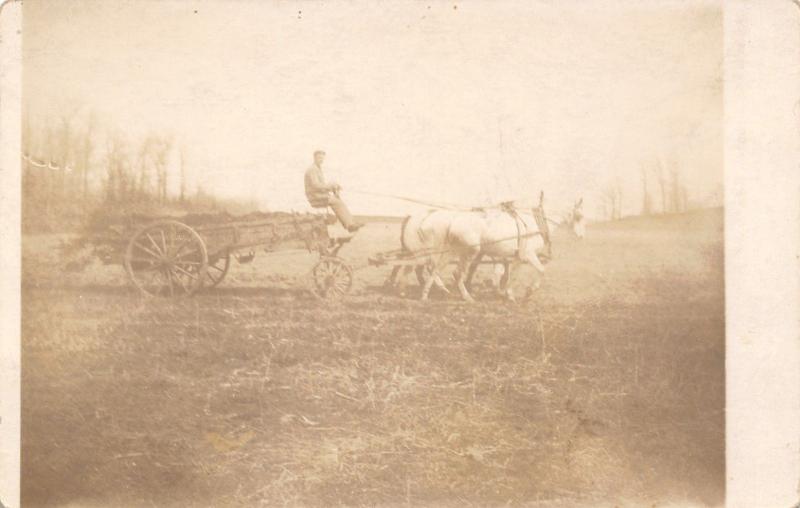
{"x":403,"y":243}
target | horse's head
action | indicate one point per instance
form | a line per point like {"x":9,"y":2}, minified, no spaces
{"x":577,"y":221}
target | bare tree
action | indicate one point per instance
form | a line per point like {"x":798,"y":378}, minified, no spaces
{"x":85,"y":148}
{"x":607,"y":203}
{"x":65,"y":153}
{"x":183,"y":173}
{"x":647,"y":203}
{"x":144,"y":160}
{"x":675,"y":190}
{"x":661,"y":178}
{"x":611,"y":199}
{"x":162,"y":148}
{"x":63,"y":157}
{"x":117,"y":185}
{"x":27,"y":149}
{"x":47,"y":156}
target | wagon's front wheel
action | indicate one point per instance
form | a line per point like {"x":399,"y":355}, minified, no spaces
{"x":217,"y":270}
{"x":332,"y":278}
{"x":166,"y":258}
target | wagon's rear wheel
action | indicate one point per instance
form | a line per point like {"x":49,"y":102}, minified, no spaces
{"x":332,"y":278}
{"x":217,"y":269}
{"x":166,"y":258}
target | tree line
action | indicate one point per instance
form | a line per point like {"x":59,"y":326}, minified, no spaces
{"x":73,"y":166}
{"x":662,"y":191}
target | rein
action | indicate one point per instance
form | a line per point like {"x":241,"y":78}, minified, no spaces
{"x":442,"y":206}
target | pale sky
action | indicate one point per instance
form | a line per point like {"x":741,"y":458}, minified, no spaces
{"x":467,"y":102}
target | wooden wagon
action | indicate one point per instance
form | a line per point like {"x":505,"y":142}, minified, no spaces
{"x":170,"y":257}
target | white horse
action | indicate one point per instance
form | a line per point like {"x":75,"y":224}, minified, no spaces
{"x":418,"y":243}
{"x":511,"y":235}
{"x":574,"y":220}
{"x":414,"y":243}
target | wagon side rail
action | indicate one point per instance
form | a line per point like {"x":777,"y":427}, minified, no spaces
{"x":308,"y":231}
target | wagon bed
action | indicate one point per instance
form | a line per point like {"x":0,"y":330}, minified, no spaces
{"x":178,"y":255}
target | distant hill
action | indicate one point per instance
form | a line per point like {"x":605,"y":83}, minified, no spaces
{"x":685,"y":220}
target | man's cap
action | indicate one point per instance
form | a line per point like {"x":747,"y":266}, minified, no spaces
{"x":319,"y":152}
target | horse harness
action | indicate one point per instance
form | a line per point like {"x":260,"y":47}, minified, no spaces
{"x":544,"y":230}
{"x":522,"y":229}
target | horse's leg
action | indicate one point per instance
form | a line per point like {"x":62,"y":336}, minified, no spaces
{"x":402,"y":282}
{"x":392,"y":280}
{"x":506,"y":283}
{"x":499,"y":271}
{"x":463,"y":265}
{"x":438,"y":281}
{"x":426,"y":289}
{"x":422,"y":277}
{"x":432,"y":276}
{"x":500,"y":277}
{"x":472,"y":267}
{"x":534,"y":260}
{"x":506,"y":274}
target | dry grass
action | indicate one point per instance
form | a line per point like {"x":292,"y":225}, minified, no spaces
{"x":607,"y":386}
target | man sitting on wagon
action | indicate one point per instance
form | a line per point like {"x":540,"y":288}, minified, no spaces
{"x":321,"y":194}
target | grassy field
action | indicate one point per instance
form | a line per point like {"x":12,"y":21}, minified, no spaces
{"x":606,"y":387}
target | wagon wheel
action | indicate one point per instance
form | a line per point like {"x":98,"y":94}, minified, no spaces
{"x":217,"y":270}
{"x":166,"y":258}
{"x":332,"y":277}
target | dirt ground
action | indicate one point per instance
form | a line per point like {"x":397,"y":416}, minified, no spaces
{"x":605,"y":388}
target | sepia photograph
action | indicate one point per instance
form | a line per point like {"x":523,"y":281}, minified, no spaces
{"x":452,"y":253}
